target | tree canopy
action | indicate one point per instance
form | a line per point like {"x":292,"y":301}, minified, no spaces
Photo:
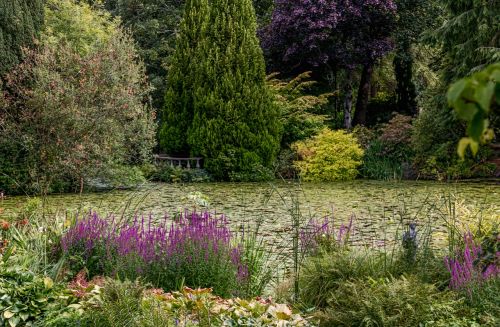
{"x":217,"y":103}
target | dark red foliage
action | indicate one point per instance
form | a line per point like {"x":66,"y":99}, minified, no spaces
{"x":305,"y":34}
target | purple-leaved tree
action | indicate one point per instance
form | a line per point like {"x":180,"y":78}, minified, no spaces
{"x":329,"y":36}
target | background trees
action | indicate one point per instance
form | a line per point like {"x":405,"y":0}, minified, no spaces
{"x":217,"y":104}
{"x":20,"y":23}
{"x":331,"y":36}
{"x":153,"y":25}
{"x":468,"y":40}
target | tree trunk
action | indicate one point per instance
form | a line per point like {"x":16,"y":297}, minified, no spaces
{"x":363,"y":95}
{"x":348,"y":100}
{"x":81,"y":185}
{"x":403,"y":69}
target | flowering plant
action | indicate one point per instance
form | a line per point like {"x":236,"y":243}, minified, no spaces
{"x":467,"y":268}
{"x":322,"y":235}
{"x":196,"y":249}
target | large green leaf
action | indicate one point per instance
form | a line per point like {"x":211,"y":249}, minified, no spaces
{"x":455,"y":91}
{"x":484,"y":95}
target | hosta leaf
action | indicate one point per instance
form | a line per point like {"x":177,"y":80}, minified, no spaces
{"x":476,"y":127}
{"x":24,"y":315}
{"x":8,"y":314}
{"x":462,"y":146}
{"x":14,"y":321}
{"x":48,"y":283}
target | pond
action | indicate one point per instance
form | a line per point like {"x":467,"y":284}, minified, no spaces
{"x":378,"y":207}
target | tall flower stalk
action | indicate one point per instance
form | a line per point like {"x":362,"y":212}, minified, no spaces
{"x":466,"y":268}
{"x":196,"y":250}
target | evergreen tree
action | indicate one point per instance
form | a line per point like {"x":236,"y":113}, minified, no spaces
{"x":153,"y":25}
{"x":20,"y":22}
{"x":469,"y":37}
{"x":217,"y":104}
{"x":414,"y":17}
{"x":468,"y":40}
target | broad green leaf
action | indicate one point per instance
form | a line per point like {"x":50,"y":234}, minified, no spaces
{"x":456,"y":90}
{"x":24,"y":315}
{"x":14,"y":321}
{"x":465,"y":111}
{"x":474,"y":147}
{"x":476,"y":127}
{"x":484,"y":95}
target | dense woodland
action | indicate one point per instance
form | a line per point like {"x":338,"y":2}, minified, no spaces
{"x":91,"y":89}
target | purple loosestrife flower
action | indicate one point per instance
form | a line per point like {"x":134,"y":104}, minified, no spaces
{"x":85,"y":235}
{"x":194,"y":244}
{"x":465,"y":267}
{"x":323,"y":233}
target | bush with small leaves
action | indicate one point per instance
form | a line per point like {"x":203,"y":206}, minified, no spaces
{"x":329,"y":156}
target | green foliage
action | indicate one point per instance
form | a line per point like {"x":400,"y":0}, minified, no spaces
{"x":77,"y":25}
{"x":484,"y":302}
{"x":27,"y":298}
{"x":414,"y":18}
{"x":20,"y":24}
{"x":468,"y":42}
{"x":388,"y":156}
{"x":119,"y":304}
{"x":154,"y":25}
{"x":299,"y":110}
{"x":168,"y":174}
{"x":263,"y":11}
{"x":217,"y":104}
{"x":376,"y":165}
{"x":323,"y":274}
{"x":468,"y":37}
{"x":381,"y":108}
{"x":130,"y":304}
{"x":284,"y":167}
{"x":95,"y":100}
{"x":405,"y":301}
{"x":116,"y":177}
{"x":329,"y":156}
{"x":14,"y":175}
{"x":473,"y":99}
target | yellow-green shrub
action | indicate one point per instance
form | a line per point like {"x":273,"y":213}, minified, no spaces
{"x":329,"y":156}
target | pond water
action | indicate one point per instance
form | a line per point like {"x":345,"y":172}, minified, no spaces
{"x":380,"y":210}
{"x":378,"y":207}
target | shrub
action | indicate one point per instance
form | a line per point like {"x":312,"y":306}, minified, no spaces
{"x":299,"y":112}
{"x":168,"y":174}
{"x":389,"y":302}
{"x":364,"y":135}
{"x":197,"y":250}
{"x":95,"y":97}
{"x":329,"y":156}
{"x":390,"y":155}
{"x":283,"y":166}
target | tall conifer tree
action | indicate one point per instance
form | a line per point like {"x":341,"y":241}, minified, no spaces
{"x":20,"y":22}
{"x":217,"y":104}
